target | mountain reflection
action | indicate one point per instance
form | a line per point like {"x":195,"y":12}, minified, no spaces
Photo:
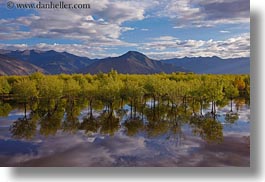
{"x":47,"y":117}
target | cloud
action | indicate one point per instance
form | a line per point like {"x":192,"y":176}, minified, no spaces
{"x":98,"y":30}
{"x":201,"y":13}
{"x":224,"y":31}
{"x":125,"y":29}
{"x":77,"y":49}
{"x":75,"y":24}
{"x":94,"y":24}
{"x":163,"y":47}
{"x":238,"y":46}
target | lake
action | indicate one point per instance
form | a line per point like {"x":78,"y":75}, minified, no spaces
{"x":69,"y":133}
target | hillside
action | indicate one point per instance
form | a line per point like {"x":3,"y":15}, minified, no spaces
{"x":51,"y":61}
{"x":132,"y":63}
{"x":10,"y":66}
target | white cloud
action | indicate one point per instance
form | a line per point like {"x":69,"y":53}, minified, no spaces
{"x":238,"y":46}
{"x":201,"y":13}
{"x":75,"y":24}
{"x":125,"y":29}
{"x":77,"y":49}
{"x":158,"y":48}
{"x":100,"y":28}
{"x":224,"y":31}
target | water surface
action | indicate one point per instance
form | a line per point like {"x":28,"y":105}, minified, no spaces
{"x":68,"y":135}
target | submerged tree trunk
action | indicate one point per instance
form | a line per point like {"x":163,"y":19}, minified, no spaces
{"x":201,"y":103}
{"x":231,"y":103}
{"x":25,"y":109}
{"x":212,"y":107}
{"x":111,"y":108}
{"x":193,"y":103}
{"x":131,"y":109}
{"x":121,"y":106}
{"x":154,"y":106}
{"x":135,"y":108}
{"x":90,"y":108}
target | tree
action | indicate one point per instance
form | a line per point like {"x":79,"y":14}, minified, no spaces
{"x":231,"y":92}
{"x":133,"y":91}
{"x":5,"y":88}
{"x":25,"y":90}
{"x":71,"y":88}
{"x":214,"y":91}
{"x":109,"y":90}
{"x":50,"y":87}
{"x":5,"y":109}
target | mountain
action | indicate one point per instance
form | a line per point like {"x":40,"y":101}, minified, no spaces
{"x":51,"y":61}
{"x":10,"y":66}
{"x":213,"y":65}
{"x":132,"y":63}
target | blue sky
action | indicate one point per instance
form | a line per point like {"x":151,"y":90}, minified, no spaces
{"x":160,"y":29}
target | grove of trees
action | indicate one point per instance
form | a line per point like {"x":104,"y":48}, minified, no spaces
{"x":164,"y":100}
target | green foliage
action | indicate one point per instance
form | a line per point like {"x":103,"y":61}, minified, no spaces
{"x":5,"y":109}
{"x":25,"y":89}
{"x":109,"y":89}
{"x":4,"y":86}
{"x":50,"y":87}
{"x":231,"y":91}
{"x":113,"y":88}
{"x":71,"y":88}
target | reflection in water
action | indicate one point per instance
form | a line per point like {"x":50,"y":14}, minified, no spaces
{"x":25,"y":127}
{"x":163,"y":122}
{"x":207,"y":127}
{"x":231,"y":117}
{"x":52,"y":115}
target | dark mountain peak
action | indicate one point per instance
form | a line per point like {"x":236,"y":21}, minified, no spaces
{"x":134,"y":54}
{"x":53,"y":52}
{"x":27,"y":52}
{"x":216,"y":58}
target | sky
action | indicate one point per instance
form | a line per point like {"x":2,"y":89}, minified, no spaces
{"x":161,"y":29}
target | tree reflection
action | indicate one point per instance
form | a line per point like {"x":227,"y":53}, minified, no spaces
{"x":207,"y":127}
{"x":25,"y":128}
{"x":89,"y":124}
{"x":133,"y":126}
{"x":51,"y":120}
{"x":231,"y":117}
{"x":71,"y":122}
{"x":164,"y":120}
{"x":109,"y":123}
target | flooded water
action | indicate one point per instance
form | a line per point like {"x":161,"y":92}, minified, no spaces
{"x":69,"y":135}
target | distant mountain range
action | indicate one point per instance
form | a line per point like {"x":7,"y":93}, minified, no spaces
{"x":52,"y":62}
{"x":213,"y":65}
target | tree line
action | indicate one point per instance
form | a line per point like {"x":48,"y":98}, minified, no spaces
{"x":113,"y":89}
